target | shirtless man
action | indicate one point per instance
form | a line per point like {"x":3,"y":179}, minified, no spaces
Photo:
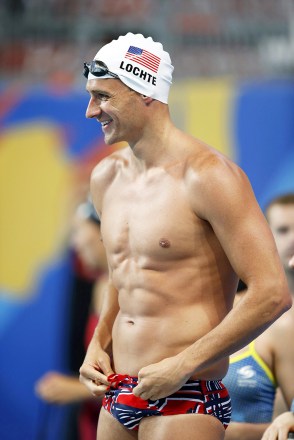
{"x":177,"y":239}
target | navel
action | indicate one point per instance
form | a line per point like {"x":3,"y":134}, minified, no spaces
{"x":164,"y":242}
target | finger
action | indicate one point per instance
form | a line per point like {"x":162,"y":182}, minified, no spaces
{"x":106,"y":367}
{"x":271,"y":434}
{"x":153,"y":398}
{"x":138,"y":390}
{"x":88,"y":372}
{"x":282,"y":433}
{"x":99,"y":389}
{"x":101,"y":380}
{"x":89,"y":382}
{"x":95,"y":388}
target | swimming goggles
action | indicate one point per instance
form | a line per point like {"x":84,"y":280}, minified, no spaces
{"x":97,"y":68}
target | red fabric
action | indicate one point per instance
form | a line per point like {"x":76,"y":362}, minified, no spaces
{"x":88,"y":417}
{"x":88,"y":420}
{"x":194,"y":397}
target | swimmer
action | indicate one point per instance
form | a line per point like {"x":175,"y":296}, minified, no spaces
{"x":176,"y":243}
{"x":264,"y":370}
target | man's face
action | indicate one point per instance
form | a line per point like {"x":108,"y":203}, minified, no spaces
{"x":281,"y":221}
{"x":113,"y":104}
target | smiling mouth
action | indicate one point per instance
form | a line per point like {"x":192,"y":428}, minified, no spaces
{"x":106,"y":123}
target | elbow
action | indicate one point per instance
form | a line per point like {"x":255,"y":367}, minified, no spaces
{"x":289,"y":303}
{"x":279,"y":299}
{"x":284,"y":304}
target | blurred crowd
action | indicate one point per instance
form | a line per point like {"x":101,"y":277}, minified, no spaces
{"x":44,"y":41}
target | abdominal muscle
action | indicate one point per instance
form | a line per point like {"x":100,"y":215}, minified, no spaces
{"x":153,"y":325}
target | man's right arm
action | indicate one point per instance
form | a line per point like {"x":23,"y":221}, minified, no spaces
{"x":97,"y":364}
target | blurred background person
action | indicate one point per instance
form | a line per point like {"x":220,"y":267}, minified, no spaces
{"x":280,"y":215}
{"x":91,"y":265}
{"x":268,"y":362}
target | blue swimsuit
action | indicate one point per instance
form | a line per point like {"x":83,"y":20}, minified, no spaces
{"x":252,"y":387}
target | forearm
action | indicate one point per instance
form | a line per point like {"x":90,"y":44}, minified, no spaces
{"x":243,"y":324}
{"x":245,"y":431}
{"x":102,"y":337}
{"x":58,"y":388}
{"x":103,"y":333}
{"x":97,"y":365}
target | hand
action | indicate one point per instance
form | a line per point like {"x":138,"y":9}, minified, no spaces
{"x":160,"y":380}
{"x":279,"y":428}
{"x":94,"y":372}
{"x":59,"y":388}
{"x":291,"y":262}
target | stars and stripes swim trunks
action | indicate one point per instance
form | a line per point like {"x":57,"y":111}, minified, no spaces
{"x":195,"y":397}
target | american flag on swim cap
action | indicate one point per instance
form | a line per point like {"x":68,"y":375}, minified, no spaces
{"x":143,"y":57}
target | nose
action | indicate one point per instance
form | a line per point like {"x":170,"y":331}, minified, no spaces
{"x":93,"y":109}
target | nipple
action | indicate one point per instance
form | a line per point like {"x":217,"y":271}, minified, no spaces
{"x":164,"y":242}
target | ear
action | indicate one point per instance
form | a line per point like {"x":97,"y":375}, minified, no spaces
{"x":147,"y":100}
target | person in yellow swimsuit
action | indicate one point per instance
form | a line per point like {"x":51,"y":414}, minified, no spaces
{"x":268,"y":362}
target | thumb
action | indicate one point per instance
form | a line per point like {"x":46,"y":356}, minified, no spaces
{"x":105,"y":365}
{"x":138,"y":389}
{"x":106,"y":368}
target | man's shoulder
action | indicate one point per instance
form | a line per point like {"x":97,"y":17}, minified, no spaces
{"x":205,"y":163}
{"x":107,"y":168}
{"x":214,"y":181}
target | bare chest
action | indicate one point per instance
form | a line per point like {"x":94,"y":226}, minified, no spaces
{"x":149,"y":219}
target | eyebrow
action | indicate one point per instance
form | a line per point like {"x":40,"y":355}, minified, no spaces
{"x":97,"y":91}
{"x":93,"y":89}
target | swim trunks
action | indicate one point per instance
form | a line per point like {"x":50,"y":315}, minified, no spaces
{"x":195,"y":397}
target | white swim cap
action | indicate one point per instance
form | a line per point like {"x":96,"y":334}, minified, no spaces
{"x":140,"y":63}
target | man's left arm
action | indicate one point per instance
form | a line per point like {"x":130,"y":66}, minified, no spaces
{"x":225,"y":199}
{"x":229,"y":205}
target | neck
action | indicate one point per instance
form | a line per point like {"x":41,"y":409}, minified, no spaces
{"x":154,"y":145}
